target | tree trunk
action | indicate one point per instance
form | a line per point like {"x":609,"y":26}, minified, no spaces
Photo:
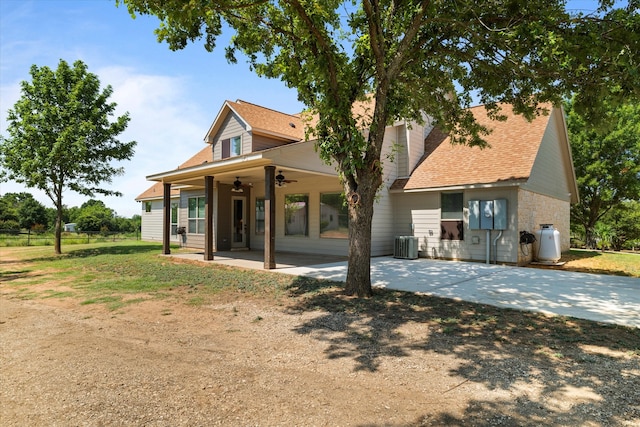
{"x":360,"y":220}
{"x":589,"y":238}
{"x":58,"y":232}
{"x":359,"y":268}
{"x":58,"y":236}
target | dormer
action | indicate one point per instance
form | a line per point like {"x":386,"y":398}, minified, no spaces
{"x":242,"y":128}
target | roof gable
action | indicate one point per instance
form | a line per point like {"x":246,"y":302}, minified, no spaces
{"x":259,"y":120}
{"x":513,"y":146}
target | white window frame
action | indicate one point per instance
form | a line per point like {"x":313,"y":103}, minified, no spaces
{"x":235,"y":142}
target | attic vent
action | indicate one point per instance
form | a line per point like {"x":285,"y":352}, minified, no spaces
{"x":292,"y":124}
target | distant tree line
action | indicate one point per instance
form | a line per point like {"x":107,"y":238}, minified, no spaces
{"x":21,"y":211}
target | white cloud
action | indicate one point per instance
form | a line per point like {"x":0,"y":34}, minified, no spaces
{"x":168,"y":126}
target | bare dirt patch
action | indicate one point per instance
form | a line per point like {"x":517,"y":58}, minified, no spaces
{"x":311,"y":358}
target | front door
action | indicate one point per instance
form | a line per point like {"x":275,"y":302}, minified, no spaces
{"x":239,"y":223}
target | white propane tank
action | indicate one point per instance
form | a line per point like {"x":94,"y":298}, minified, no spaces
{"x":548,"y":239}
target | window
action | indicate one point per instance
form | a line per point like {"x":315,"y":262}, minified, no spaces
{"x":231,"y":147}
{"x":235,"y":146}
{"x":196,"y":215}
{"x":296,"y":215}
{"x":147,"y":207}
{"x":259,"y":216}
{"x":334,"y":216}
{"x":451,"y":216}
{"x":174,"y":219}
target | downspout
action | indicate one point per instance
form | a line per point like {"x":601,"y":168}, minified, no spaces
{"x":488,"y":252}
{"x":495,"y":247}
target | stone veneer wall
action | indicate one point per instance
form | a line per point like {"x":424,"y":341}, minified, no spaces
{"x":535,"y":209}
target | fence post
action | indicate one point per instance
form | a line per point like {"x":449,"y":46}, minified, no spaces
{"x":29,"y":237}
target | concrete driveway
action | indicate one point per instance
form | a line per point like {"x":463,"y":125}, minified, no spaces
{"x":611,"y":299}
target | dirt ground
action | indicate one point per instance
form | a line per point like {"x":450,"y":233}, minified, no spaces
{"x":248,"y":361}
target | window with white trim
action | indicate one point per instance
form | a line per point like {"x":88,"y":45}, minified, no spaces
{"x":196,"y":215}
{"x":334,"y":216}
{"x":296,"y":215}
{"x":451,"y":216}
{"x":260,"y":216}
{"x":174,"y":219}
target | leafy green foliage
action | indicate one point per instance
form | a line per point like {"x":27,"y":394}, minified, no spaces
{"x":358,"y":66}
{"x":606,"y":157}
{"x":22,"y":209}
{"x":60,"y":137}
{"x":32,"y":213}
{"x":623,"y":221}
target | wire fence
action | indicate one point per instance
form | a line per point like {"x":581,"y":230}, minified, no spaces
{"x":31,"y":238}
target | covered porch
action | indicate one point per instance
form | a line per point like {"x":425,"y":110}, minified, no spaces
{"x":229,"y":188}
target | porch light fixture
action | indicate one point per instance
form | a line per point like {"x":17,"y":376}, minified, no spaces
{"x":237,"y":185}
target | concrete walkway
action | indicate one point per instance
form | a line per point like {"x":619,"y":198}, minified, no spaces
{"x":611,"y":299}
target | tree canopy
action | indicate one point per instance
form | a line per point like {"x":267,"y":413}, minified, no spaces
{"x":60,"y":136}
{"x":408,"y":59}
{"x":606,"y":158}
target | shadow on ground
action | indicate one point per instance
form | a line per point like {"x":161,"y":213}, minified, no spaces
{"x":502,"y":349}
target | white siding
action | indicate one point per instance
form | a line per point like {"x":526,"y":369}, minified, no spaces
{"x":151,"y":228}
{"x":551,"y":171}
{"x":382,"y":234}
{"x":401,"y":150}
{"x":415,"y":142}
{"x":421,"y":211}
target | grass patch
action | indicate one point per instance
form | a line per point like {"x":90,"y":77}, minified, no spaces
{"x":616,"y":263}
{"x":112,"y":273}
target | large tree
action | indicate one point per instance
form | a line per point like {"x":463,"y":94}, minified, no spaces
{"x":606,"y":157}
{"x":61,"y":137}
{"x":407,"y":59}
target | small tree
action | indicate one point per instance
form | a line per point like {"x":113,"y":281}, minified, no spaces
{"x":60,"y":136}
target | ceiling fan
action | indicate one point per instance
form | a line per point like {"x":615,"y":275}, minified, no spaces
{"x":237,"y":185}
{"x":281,"y":181}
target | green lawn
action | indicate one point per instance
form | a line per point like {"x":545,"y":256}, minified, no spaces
{"x":125,"y":272}
{"x":617,"y":263}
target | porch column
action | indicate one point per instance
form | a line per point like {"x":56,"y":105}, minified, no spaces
{"x":269,"y":217}
{"x":208,"y":218}
{"x":166,"y":218}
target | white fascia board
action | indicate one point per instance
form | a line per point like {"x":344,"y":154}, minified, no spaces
{"x":194,"y":170}
{"x":505,"y":184}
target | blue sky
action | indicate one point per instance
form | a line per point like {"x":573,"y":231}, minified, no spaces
{"x":172,"y":97}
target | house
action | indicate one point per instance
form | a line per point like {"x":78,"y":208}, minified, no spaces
{"x":257,"y":184}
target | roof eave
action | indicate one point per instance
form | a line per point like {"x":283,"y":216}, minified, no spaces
{"x":477,"y":186}
{"x":254,"y":159}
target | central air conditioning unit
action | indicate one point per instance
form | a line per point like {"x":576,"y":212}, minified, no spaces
{"x":405,"y":247}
